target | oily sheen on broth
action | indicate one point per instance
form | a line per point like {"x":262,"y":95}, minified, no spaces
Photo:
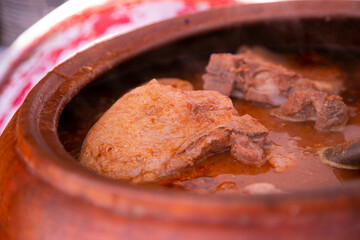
{"x":300,"y":139}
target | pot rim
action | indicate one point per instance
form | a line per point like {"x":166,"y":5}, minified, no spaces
{"x":39,"y":146}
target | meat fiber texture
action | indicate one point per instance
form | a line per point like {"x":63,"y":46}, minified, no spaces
{"x":328,"y":112}
{"x":251,"y":77}
{"x":156,"y":130}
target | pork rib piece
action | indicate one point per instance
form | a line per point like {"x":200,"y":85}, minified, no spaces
{"x":155,"y":130}
{"x":250,"y":77}
{"x":329,"y":112}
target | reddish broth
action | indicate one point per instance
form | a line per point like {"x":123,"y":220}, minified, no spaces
{"x":209,"y":174}
{"x":298,"y":138}
{"x":301,"y":139}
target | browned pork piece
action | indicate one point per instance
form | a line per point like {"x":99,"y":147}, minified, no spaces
{"x":249,"y":76}
{"x":329,"y":112}
{"x":278,"y":158}
{"x":156,"y":130}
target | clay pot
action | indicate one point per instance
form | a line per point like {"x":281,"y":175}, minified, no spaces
{"x":46,"y":194}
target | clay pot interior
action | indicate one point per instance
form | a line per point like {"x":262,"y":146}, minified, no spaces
{"x":187,"y":58}
{"x":46,"y":194}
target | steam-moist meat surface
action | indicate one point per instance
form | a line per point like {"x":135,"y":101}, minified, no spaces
{"x":250,"y":77}
{"x":328,"y":112}
{"x":156,"y":130}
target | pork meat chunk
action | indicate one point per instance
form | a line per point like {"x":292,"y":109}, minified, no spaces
{"x":278,"y":158}
{"x":249,"y":148}
{"x":156,"y":130}
{"x":328,"y":112}
{"x":251,"y":77}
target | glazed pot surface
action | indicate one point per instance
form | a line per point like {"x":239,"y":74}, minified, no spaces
{"x":46,"y":194}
